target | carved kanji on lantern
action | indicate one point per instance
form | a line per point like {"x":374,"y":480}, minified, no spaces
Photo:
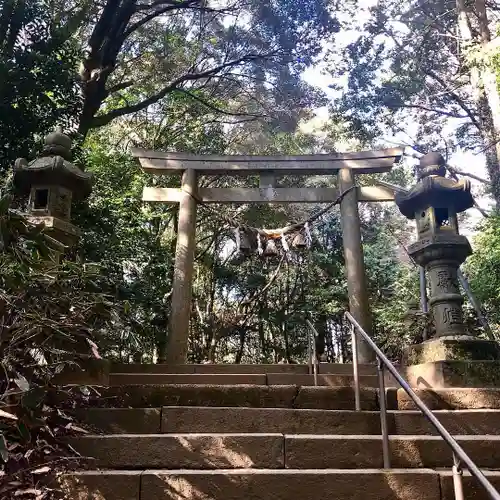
{"x":53,"y":182}
{"x":444,"y":280}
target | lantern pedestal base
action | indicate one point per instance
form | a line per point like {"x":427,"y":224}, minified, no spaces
{"x":457,"y":348}
{"x":461,"y":361}
{"x":452,"y":374}
{"x":60,"y":230}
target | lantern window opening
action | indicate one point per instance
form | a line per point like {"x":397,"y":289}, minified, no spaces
{"x":442,"y":217}
{"x":41,"y":199}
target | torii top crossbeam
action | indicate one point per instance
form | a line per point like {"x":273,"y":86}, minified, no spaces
{"x":345,"y":165}
{"x":363,"y":162}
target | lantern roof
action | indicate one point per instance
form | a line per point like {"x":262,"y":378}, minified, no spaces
{"x":434,"y":189}
{"x":53,"y":168}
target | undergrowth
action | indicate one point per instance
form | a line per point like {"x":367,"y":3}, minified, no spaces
{"x":51,"y":317}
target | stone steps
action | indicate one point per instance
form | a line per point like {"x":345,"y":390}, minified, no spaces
{"x":327,"y":368}
{"x":278,"y":484}
{"x":332,"y":380}
{"x":283,"y":396}
{"x":238,"y":432}
{"x":277,"y":451}
{"x":199,"y":419}
{"x":255,"y":396}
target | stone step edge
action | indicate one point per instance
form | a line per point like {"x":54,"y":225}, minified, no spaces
{"x":317,"y":437}
{"x":242,"y":379}
{"x":281,"y":472}
{"x":287,"y":396}
{"x":228,"y":368}
{"x":250,"y":409}
{"x":278,"y":472}
{"x":418,"y":390}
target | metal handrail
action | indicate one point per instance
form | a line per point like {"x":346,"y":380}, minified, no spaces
{"x":312,"y":353}
{"x":459,"y":455}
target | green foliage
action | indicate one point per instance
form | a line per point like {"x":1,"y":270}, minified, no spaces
{"x":52,"y":315}
{"x":408,"y":73}
{"x":132,"y":245}
{"x":38,"y":61}
{"x":483,"y":268}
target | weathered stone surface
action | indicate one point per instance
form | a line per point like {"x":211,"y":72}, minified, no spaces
{"x":347,"y":368}
{"x":151,"y":396}
{"x":304,"y":451}
{"x":202,"y":419}
{"x":452,"y":349}
{"x":87,"y":372}
{"x":334,"y":398}
{"x":186,"y":378}
{"x":351,"y":452}
{"x":472,"y":489}
{"x":291,"y":485}
{"x":177,"y":451}
{"x":209,"y":368}
{"x":102,"y":485}
{"x":446,"y":399}
{"x":121,"y":420}
{"x":257,"y":368}
{"x":330,"y":380}
{"x":413,"y":451}
{"x":442,"y":374}
{"x":257,"y":396}
{"x":336,"y":368}
{"x":459,"y":422}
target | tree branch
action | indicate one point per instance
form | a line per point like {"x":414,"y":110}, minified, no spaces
{"x":120,"y":86}
{"x":455,"y":170}
{"x":215,"y":108}
{"x":432,"y":110}
{"x":116,"y":113}
{"x":176,"y":5}
{"x":456,"y":98}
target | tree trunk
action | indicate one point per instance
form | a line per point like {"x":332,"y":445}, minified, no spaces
{"x":241,"y":349}
{"x":492,"y":99}
{"x":483,"y":81}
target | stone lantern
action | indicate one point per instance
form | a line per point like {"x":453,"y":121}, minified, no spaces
{"x":453,"y":356}
{"x":52,"y":182}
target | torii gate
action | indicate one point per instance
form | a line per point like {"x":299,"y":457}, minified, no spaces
{"x":345,"y":165}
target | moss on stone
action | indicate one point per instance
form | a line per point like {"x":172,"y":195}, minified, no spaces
{"x":452,"y":349}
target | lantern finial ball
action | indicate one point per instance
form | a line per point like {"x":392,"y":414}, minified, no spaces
{"x":432,"y":164}
{"x":58,"y":143}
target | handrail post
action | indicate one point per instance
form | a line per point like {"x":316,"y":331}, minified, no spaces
{"x":383,"y":414}
{"x":355,"y":367}
{"x":309,"y":351}
{"x":313,"y":355}
{"x":315,"y":360}
{"x":458,"y":486}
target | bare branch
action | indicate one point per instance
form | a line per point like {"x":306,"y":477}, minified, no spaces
{"x":455,"y":170}
{"x":105,"y":119}
{"x":120,"y":86}
{"x":431,"y":110}
{"x":158,"y":12}
{"x":215,"y":108}
{"x":456,"y":98}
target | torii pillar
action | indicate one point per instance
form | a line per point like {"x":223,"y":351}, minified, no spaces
{"x":182,"y":286}
{"x":357,"y":288}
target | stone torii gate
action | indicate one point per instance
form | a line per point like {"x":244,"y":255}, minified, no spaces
{"x":269,"y":168}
